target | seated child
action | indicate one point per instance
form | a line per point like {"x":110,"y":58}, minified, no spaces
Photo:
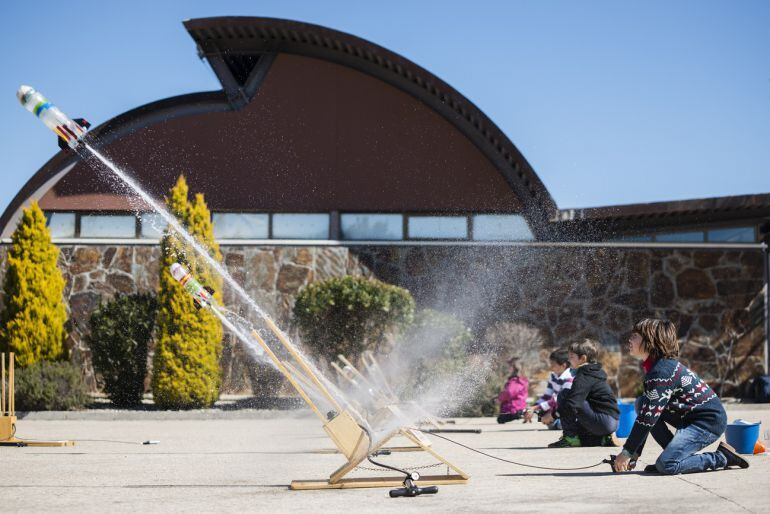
{"x":675,"y":395}
{"x":560,"y":380}
{"x":588,"y":410}
{"x":513,"y":397}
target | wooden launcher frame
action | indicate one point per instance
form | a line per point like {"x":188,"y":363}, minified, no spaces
{"x":8,"y":408}
{"x":352,"y":440}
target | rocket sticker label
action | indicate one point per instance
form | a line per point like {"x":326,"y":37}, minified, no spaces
{"x":202,"y":295}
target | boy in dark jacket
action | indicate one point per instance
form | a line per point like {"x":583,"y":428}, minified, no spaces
{"x":589,"y":411}
{"x":675,"y":395}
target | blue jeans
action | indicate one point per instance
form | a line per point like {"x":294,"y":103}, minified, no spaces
{"x":679,"y":455}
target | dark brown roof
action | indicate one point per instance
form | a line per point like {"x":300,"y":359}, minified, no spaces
{"x":621,"y":219}
{"x":235,"y":43}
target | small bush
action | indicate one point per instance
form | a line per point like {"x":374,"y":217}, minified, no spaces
{"x":50,"y":386}
{"x":349,"y":315}
{"x":120,"y":333}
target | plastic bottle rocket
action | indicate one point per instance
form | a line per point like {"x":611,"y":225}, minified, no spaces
{"x":70,"y":132}
{"x":203,"y":296}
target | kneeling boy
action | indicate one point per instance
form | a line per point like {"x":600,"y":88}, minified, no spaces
{"x":589,"y":411}
{"x":675,"y":395}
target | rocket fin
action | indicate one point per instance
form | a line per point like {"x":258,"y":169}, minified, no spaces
{"x":210,"y":290}
{"x":63,"y":144}
{"x":82,"y":122}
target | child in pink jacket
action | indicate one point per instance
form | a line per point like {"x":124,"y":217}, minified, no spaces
{"x":513,"y":397}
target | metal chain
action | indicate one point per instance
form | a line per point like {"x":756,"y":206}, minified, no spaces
{"x":410,"y":468}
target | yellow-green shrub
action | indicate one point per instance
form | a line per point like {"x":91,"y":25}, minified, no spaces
{"x":189,"y":341}
{"x":32,"y":323}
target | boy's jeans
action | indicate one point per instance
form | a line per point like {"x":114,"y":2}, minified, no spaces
{"x":679,"y":455}
{"x":588,"y":422}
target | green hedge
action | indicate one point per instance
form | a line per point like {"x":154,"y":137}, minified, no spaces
{"x":50,"y":386}
{"x":120,"y":333}
{"x":349,"y":315}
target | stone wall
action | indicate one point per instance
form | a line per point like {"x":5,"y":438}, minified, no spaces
{"x":572,"y":293}
{"x":564,"y":293}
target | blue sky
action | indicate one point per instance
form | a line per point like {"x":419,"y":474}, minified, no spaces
{"x":611,"y":102}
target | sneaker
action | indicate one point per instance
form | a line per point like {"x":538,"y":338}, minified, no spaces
{"x":611,"y":441}
{"x":591,"y":440}
{"x":651,"y":469}
{"x":566,"y":441}
{"x":733,"y":459}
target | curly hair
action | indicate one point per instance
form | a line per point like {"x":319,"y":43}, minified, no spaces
{"x":659,"y":337}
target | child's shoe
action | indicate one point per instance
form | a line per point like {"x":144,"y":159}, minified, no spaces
{"x":733,"y":459}
{"x":651,"y":469}
{"x":566,"y":441}
{"x":611,"y":441}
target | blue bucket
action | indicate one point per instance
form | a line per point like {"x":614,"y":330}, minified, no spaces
{"x":742,"y":436}
{"x":627,"y":418}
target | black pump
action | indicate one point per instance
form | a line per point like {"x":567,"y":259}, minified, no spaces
{"x":410,"y":489}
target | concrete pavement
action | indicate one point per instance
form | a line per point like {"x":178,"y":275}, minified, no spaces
{"x":241,"y":461}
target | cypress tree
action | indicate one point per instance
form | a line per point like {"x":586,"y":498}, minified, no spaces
{"x":189,"y":341}
{"x":32,"y":322}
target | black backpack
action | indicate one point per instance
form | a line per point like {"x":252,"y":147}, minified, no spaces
{"x":761,"y":389}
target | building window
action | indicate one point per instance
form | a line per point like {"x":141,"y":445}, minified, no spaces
{"x":372,"y":227}
{"x":153,"y":225}
{"x":300,"y":226}
{"x":231,"y":225}
{"x":733,"y":235}
{"x":680,"y":237}
{"x":501,"y":227}
{"x":634,"y":239}
{"x":61,"y":224}
{"x":106,"y":225}
{"x":438,"y":227}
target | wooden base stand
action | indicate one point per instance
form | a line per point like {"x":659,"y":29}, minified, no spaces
{"x":358,"y":454}
{"x":8,"y":409}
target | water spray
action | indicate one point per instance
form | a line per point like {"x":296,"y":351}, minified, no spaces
{"x":347,"y":428}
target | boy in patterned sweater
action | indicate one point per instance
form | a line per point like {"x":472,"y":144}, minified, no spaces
{"x":560,"y":380}
{"x":675,"y":395}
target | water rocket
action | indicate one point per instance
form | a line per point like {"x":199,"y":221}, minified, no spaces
{"x":70,"y":132}
{"x":203,"y":296}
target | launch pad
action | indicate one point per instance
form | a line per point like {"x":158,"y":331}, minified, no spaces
{"x":347,"y":428}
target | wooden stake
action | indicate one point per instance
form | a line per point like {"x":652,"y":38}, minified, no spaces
{"x":2,"y":379}
{"x":12,"y":386}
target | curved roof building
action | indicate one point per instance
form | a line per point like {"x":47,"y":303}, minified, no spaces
{"x":320,"y":135}
{"x":309,"y":121}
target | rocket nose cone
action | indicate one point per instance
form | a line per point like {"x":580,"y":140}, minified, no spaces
{"x":178,"y":271}
{"x":23,"y":92}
